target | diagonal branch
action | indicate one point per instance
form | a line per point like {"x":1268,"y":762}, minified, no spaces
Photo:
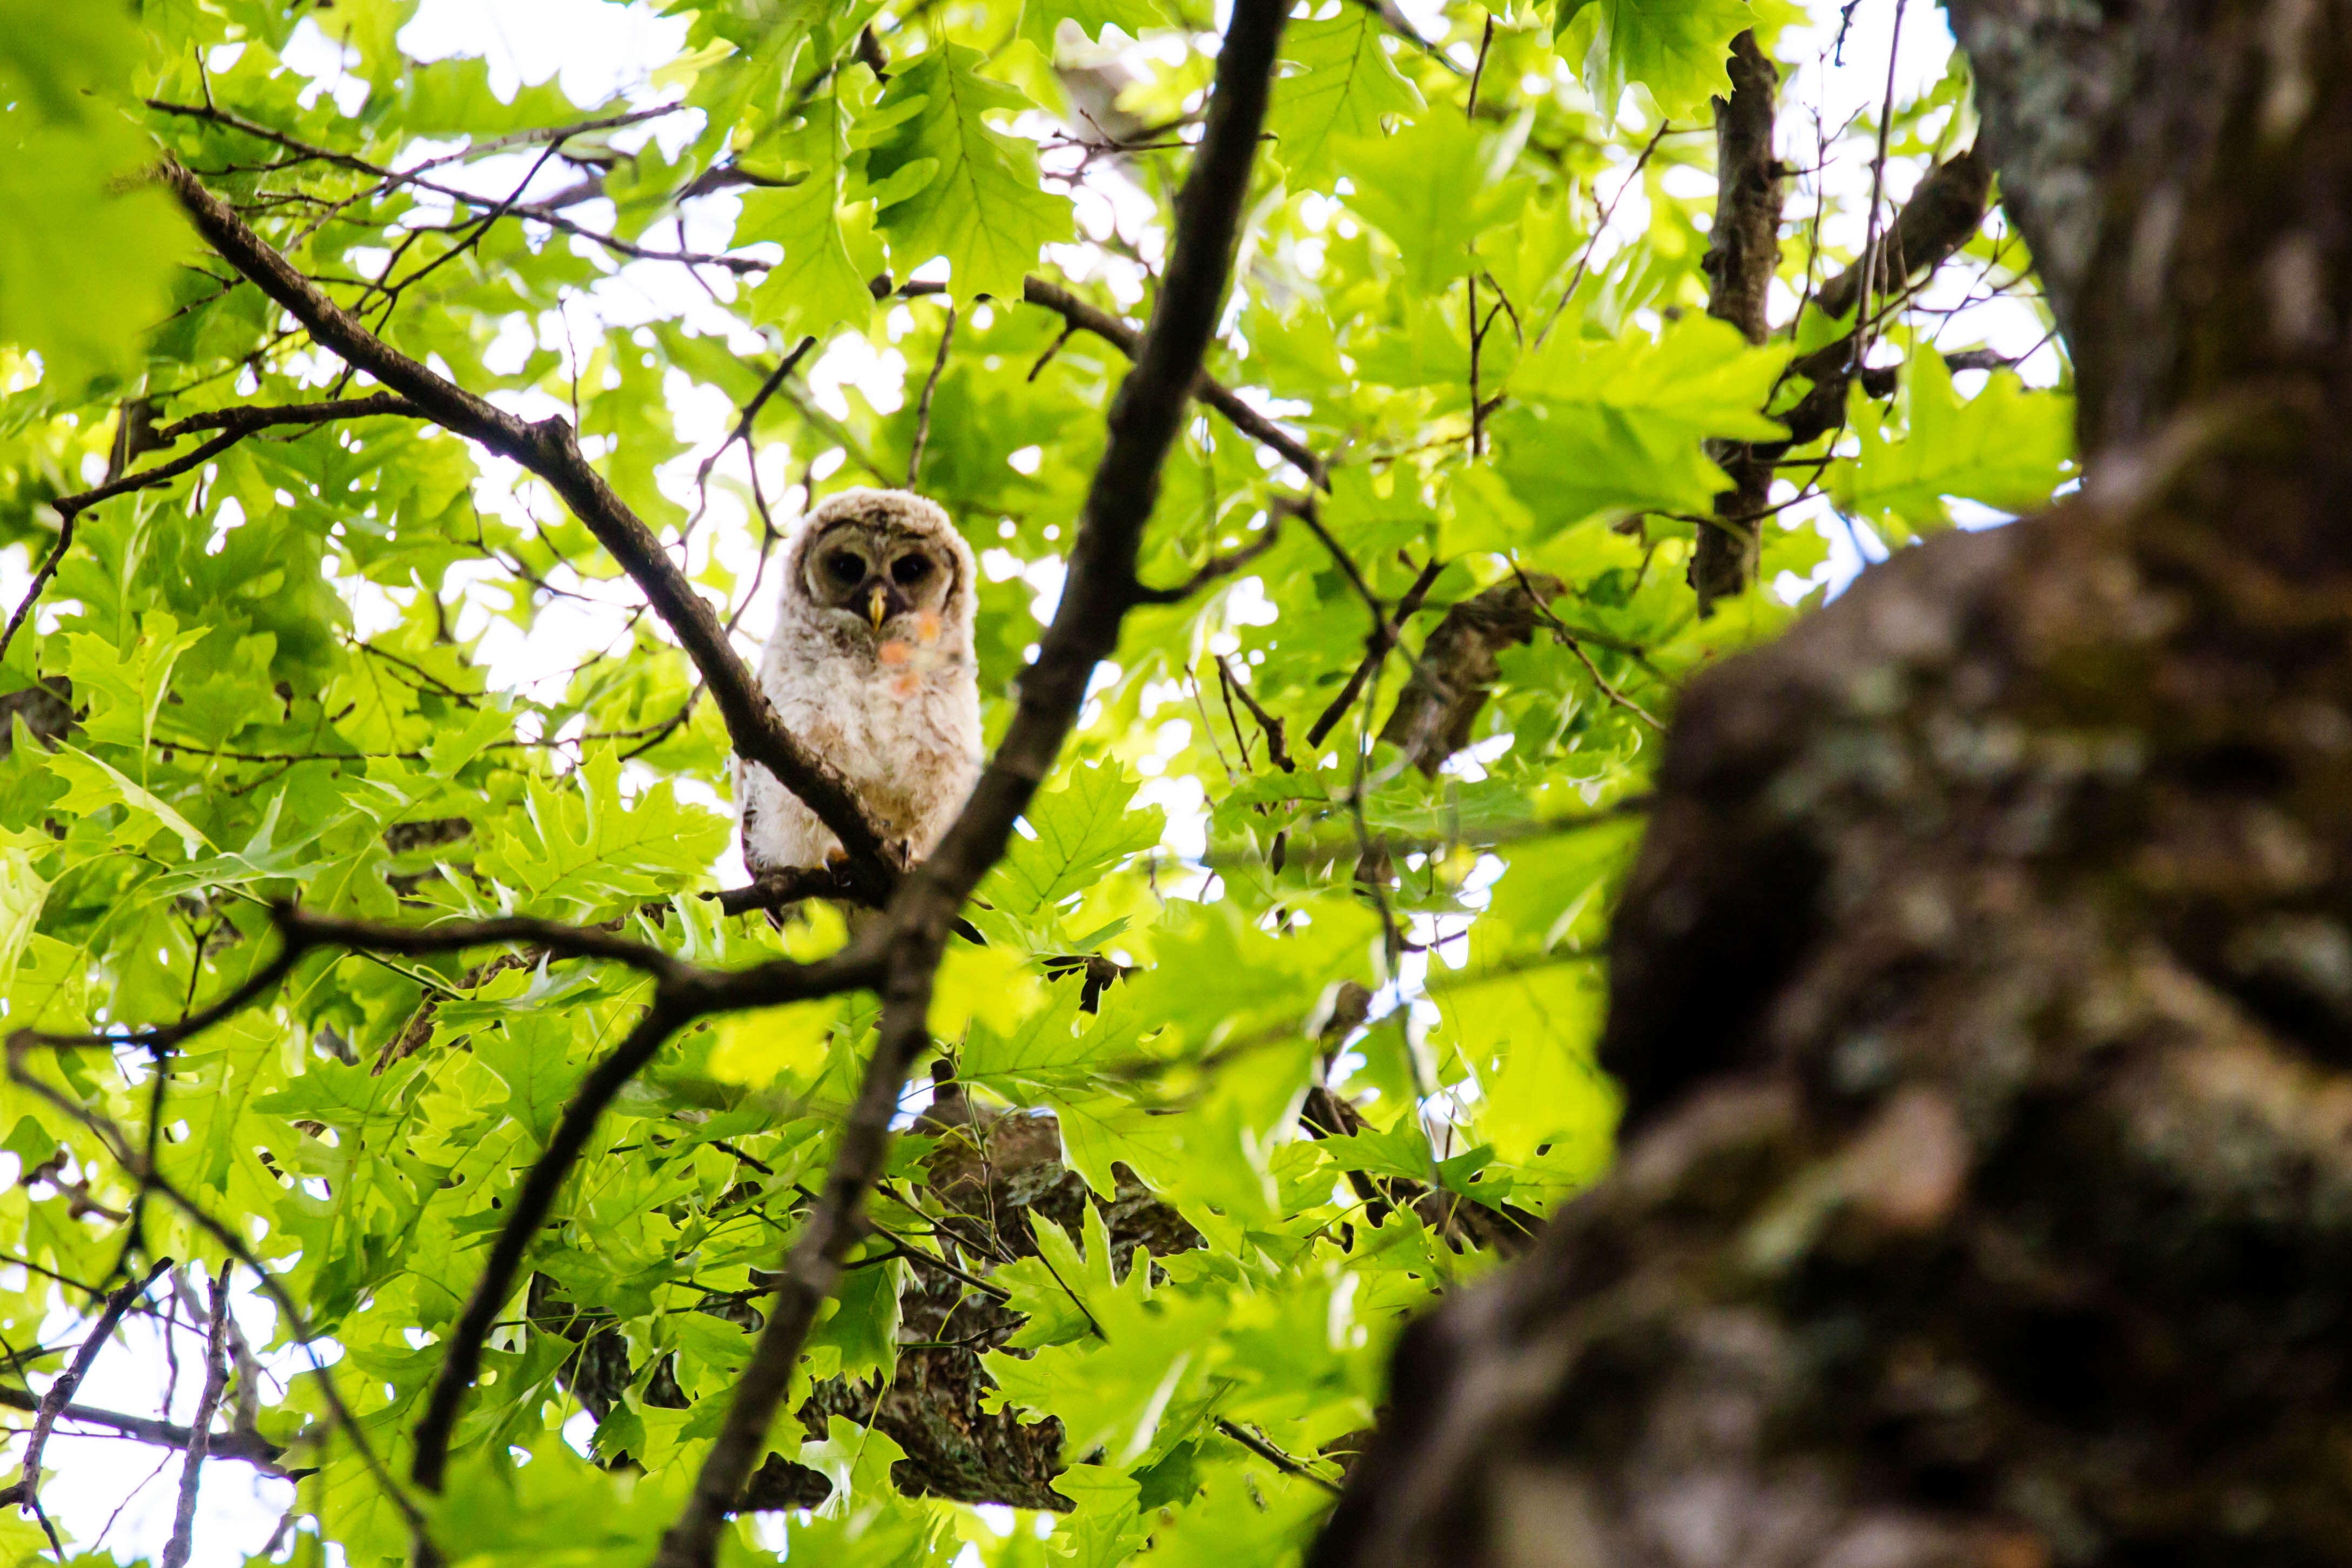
{"x":462,"y":1357}
{"x":1376,"y":650}
{"x":27,"y":1491}
{"x":551,"y":449}
{"x":1940,"y":217}
{"x":682,"y":993}
{"x":1216,"y":568}
{"x":1145,"y":418}
{"x":1127,"y":340}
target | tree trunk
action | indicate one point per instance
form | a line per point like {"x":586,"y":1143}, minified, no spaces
{"x":1983,"y":993}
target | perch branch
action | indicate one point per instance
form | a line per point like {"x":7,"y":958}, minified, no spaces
{"x":1144,"y":421}
{"x":549,"y":448}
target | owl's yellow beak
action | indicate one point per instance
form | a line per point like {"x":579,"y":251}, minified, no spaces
{"x":875,"y":607}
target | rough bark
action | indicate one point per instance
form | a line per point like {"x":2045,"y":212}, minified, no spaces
{"x":1458,"y":667}
{"x":1983,"y":992}
{"x":1743,"y":252}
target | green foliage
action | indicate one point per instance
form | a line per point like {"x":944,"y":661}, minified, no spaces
{"x":85,"y":272}
{"x":362,"y":666}
{"x":2006,"y":447}
{"x":1675,"y":48}
{"x":947,"y":185}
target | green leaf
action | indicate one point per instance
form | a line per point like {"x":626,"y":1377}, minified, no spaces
{"x":130,"y":688}
{"x":1112,"y":1393}
{"x":979,"y":205}
{"x":1039,"y":18}
{"x":1433,"y":188}
{"x":1336,"y":83}
{"x":584,"y":849}
{"x":530,"y":1055}
{"x":1616,"y":425}
{"x":856,"y":1460}
{"x":1082,"y":830}
{"x":2006,"y":447}
{"x":80,"y":285}
{"x":1679,"y":49}
{"x":861,"y":1326}
{"x":816,"y":287}
{"x":96,"y":784}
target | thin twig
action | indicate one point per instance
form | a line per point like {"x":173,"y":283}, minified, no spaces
{"x":1267,"y":1452}
{"x":1376,"y":648}
{"x":923,"y":409}
{"x":1216,"y":567}
{"x":1870,"y":259}
{"x":1275,"y":750}
{"x":1584,"y":260}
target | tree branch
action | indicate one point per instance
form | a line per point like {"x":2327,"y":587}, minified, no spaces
{"x":551,"y":449}
{"x":682,"y":993}
{"x":1144,"y":421}
{"x":1743,"y":253}
{"x":1383,"y":638}
{"x":1941,"y":216}
{"x":1224,"y":399}
{"x":183,"y":1518}
{"x":248,"y":1448}
{"x":1216,"y":569}
{"x":27,"y":1491}
{"x":1277,"y":751}
{"x":462,"y":1355}
{"x":247,"y":420}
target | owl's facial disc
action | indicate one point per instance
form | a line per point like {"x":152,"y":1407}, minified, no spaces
{"x":871,"y":578}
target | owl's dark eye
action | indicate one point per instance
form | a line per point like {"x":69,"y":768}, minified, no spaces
{"x":845,"y":567}
{"x":909,"y":569}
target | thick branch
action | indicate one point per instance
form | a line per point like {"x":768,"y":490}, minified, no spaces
{"x":1144,"y":421}
{"x":1459,"y":666}
{"x":551,"y":450}
{"x":682,"y":994}
{"x":1743,"y":246}
{"x":1743,"y":254}
{"x":462,"y":1358}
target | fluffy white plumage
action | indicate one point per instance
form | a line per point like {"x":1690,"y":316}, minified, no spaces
{"x":871,"y":665}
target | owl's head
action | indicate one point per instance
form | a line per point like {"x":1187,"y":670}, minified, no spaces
{"x":878,"y":566}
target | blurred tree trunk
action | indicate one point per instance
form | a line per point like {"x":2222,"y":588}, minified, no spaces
{"x":1983,"y":994}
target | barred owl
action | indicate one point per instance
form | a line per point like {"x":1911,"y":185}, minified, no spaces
{"x":871,"y":665}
